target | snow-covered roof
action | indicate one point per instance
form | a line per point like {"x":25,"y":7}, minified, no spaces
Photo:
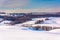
{"x":48,"y":25}
{"x":29,"y":22}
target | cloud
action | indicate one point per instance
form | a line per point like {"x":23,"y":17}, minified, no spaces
{"x":13,"y":3}
{"x":46,"y":10}
{"x":32,"y":10}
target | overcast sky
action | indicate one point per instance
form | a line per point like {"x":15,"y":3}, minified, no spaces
{"x":30,"y":5}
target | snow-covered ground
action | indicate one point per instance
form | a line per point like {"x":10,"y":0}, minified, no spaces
{"x":17,"y":32}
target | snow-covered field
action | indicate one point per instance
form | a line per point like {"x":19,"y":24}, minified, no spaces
{"x":17,"y":32}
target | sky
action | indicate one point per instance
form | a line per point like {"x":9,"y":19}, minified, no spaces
{"x":30,"y":5}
